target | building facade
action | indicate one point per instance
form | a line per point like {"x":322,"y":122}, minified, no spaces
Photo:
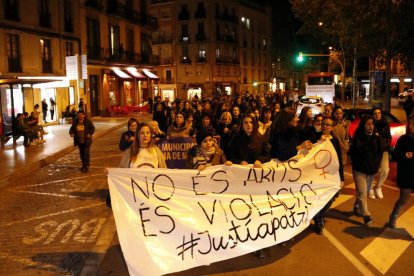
{"x":211,"y":47}
{"x":65,"y":50}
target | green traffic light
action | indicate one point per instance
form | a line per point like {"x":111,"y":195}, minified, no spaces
{"x":300,"y":57}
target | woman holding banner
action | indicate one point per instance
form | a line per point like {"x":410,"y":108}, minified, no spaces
{"x":143,"y":153}
{"x":206,"y":153}
{"x":248,"y":146}
{"x":285,"y":136}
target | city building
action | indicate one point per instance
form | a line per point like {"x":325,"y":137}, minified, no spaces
{"x":211,"y":47}
{"x":65,"y":50}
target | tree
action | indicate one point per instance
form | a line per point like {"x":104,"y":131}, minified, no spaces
{"x":381,"y":28}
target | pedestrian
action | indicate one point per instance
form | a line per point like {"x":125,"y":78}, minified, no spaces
{"x":206,"y":153}
{"x":285,"y":136}
{"x":403,"y":155}
{"x":82,"y":106}
{"x":128,"y":137}
{"x":44,"y":110}
{"x":52,"y":108}
{"x":408,"y":106}
{"x":82,"y":130}
{"x":341,"y":131}
{"x":126,"y":141}
{"x":143,"y":153}
{"x":381,"y":129}
{"x":327,"y":127}
{"x":366,"y":155}
{"x":248,"y":146}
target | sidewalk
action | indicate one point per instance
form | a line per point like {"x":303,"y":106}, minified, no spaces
{"x":16,"y":160}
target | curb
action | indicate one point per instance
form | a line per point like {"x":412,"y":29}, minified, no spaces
{"x":30,"y":168}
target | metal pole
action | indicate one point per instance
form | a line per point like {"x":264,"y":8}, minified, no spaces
{"x":354,"y":79}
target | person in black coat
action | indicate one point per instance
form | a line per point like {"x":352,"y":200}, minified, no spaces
{"x":248,"y":146}
{"x":128,"y":137}
{"x":327,"y":128}
{"x":366,"y":155}
{"x":404,"y":155}
{"x":285,"y":136}
{"x":82,"y":130}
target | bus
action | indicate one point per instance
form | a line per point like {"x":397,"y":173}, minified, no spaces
{"x":321,"y":84}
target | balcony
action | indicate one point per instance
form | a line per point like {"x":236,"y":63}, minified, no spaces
{"x":14,"y":64}
{"x":184,"y":38}
{"x":227,"y":60}
{"x":162,"y":40}
{"x":47,"y":65}
{"x":200,"y":37}
{"x":201,"y":59}
{"x":227,"y":38}
{"x":185,"y":60}
{"x":166,"y":81}
{"x":95,"y":52}
{"x":228,"y":17}
{"x":167,"y":61}
{"x":199,"y":14}
{"x":95,"y":4}
{"x":184,"y":15}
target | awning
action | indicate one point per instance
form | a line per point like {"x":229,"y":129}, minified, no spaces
{"x":150,"y":75}
{"x":30,"y":81}
{"x":121,"y":73}
{"x":134,"y":72}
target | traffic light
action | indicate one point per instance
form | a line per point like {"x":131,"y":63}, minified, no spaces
{"x":300,"y":57}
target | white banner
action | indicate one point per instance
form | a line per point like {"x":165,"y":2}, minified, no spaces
{"x":172,"y":220}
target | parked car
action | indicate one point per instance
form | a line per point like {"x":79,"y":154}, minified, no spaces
{"x":406,"y":93}
{"x":314,"y":102}
{"x":396,"y":127}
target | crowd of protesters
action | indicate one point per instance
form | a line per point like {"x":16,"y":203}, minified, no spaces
{"x":256,"y":129}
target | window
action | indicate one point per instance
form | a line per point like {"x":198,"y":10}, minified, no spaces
{"x":201,"y":53}
{"x":13,"y":53}
{"x":184,"y":33}
{"x":165,"y":15}
{"x":68,"y":16}
{"x":168,"y":76}
{"x":69,"y":49}
{"x":93,"y":39}
{"x":12,"y":8}
{"x":114,"y":42}
{"x":217,"y":53}
{"x":45,"y":55}
{"x":44,"y":13}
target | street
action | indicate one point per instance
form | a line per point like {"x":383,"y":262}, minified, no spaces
{"x":55,"y":222}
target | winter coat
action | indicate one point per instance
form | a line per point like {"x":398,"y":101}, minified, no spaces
{"x":405,"y":166}
{"x":366,"y":153}
{"x":89,"y":129}
{"x":249,"y":148}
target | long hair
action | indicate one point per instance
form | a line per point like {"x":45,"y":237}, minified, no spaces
{"x":359,"y":132}
{"x":282,"y":122}
{"x":131,"y":121}
{"x":136,"y":145}
{"x":255,"y":126}
{"x":180,"y":113}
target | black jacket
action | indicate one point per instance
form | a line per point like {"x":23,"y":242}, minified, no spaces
{"x":89,"y":130}
{"x":366,"y":153}
{"x":249,"y":148}
{"x":405,"y":166}
{"x":382,"y":128}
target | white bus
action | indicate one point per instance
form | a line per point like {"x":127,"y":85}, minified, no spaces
{"x":321,"y":84}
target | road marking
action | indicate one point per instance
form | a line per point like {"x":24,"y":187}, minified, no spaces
{"x":35,"y":265}
{"x":51,"y":194}
{"x":55,"y":181}
{"x":53,"y":214}
{"x":341,"y":199}
{"x":347,"y":254}
{"x":385,"y":250}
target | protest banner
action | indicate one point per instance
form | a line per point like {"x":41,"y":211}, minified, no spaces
{"x":171,"y":220}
